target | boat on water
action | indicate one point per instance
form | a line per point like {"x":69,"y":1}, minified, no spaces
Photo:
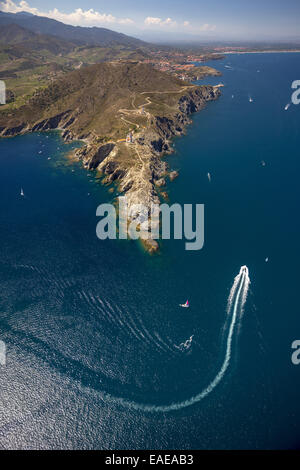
{"x":187,"y":344}
{"x":22,"y":193}
{"x":186,"y":305}
{"x":250,"y":100}
{"x":209,"y":177}
{"x":287,"y":106}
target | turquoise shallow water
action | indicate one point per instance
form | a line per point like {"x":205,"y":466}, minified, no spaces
{"x":89,"y":323}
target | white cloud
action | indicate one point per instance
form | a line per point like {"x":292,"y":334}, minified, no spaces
{"x":150,"y":21}
{"x":10,"y":7}
{"x":78,"y":17}
{"x":91,"y":17}
{"x":207,"y":27}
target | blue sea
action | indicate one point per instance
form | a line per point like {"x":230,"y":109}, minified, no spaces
{"x":99,"y":355}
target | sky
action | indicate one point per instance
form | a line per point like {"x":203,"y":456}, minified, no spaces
{"x":175,"y":19}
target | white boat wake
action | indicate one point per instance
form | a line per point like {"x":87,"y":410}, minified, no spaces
{"x":235,"y":306}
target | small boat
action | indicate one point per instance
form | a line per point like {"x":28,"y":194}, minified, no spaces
{"x":186,"y":305}
{"x":187,"y":344}
{"x":209,"y":177}
{"x":263,"y":163}
{"x":250,"y":100}
{"x":266,"y":260}
{"x":287,"y":106}
{"x":22,"y":192}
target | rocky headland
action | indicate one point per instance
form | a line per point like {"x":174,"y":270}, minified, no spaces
{"x":126,"y":114}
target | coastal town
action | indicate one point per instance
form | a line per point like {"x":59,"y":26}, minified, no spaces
{"x":181,"y":65}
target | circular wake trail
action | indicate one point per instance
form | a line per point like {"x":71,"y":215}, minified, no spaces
{"x":235,"y":305}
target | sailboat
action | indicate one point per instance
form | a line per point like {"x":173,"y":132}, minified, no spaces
{"x":186,"y":305}
{"x":22,"y":192}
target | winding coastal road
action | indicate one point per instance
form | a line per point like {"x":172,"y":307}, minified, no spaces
{"x":139,"y":111}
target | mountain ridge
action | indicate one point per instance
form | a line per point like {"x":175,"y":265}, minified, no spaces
{"x":16,"y":35}
{"x":80,"y":35}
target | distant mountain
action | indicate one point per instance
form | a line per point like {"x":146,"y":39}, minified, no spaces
{"x":26,"y":40}
{"x":14,"y":34}
{"x":24,"y":13}
{"x":75,"y":34}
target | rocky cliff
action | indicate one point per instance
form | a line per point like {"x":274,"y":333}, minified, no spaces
{"x":127,"y":115}
{"x":141,"y":178}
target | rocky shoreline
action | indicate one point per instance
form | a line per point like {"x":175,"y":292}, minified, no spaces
{"x":142,"y":185}
{"x":140,"y":178}
{"x":152,"y":143}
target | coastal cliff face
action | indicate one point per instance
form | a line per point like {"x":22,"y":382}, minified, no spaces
{"x":126,"y":114}
{"x":141,"y":178}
